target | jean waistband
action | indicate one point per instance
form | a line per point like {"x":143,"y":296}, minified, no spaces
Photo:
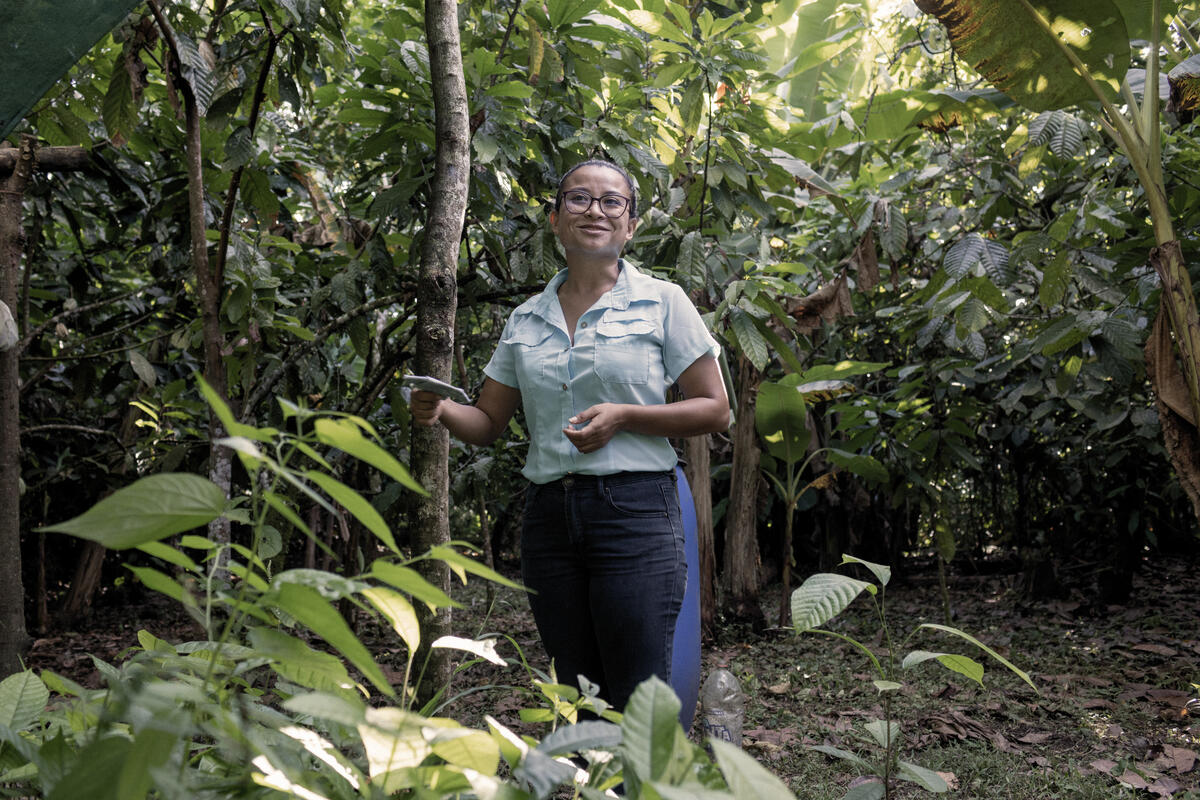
{"x":572,"y":480}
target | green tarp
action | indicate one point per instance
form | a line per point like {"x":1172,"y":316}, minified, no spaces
{"x":40,"y":40}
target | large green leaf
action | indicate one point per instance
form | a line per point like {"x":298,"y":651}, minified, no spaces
{"x":309,"y":608}
{"x":648,"y":729}
{"x":780,"y":416}
{"x":147,"y":510}
{"x":822,"y":597}
{"x":346,"y":436}
{"x":22,"y":698}
{"x":41,"y":42}
{"x":745,"y":776}
{"x":1015,"y":44}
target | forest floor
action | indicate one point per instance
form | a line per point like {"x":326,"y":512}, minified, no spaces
{"x":1105,"y":720}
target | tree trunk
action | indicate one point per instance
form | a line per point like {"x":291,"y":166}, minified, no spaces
{"x":698,"y":470}
{"x":438,"y":300}
{"x":13,"y":638}
{"x":742,"y":568}
{"x":1172,"y":401}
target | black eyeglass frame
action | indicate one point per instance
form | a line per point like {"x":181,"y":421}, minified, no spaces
{"x":625,"y":202}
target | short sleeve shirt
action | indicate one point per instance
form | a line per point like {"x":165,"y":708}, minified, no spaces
{"x":630,"y":346}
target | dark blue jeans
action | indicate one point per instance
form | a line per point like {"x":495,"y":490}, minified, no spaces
{"x":604,"y":556}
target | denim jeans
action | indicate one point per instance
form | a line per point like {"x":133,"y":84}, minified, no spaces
{"x":605,"y":560}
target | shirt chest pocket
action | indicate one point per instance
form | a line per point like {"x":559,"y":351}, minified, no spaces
{"x":624,"y":348}
{"x":532,"y":350}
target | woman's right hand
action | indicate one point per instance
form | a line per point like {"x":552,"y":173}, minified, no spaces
{"x":426,"y":407}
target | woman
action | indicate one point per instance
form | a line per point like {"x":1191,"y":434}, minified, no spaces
{"x":591,"y":359}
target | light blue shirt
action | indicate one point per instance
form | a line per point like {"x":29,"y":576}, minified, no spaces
{"x":630,"y":346}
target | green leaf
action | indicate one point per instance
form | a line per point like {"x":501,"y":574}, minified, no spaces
{"x":484,"y":648}
{"x":150,"y":509}
{"x":353,"y":502}
{"x":295,"y":661}
{"x":648,"y":729}
{"x":457,"y":559}
{"x":347,"y":437}
{"x":960,"y":664}
{"x":870,"y":790}
{"x":23,"y":697}
{"x":884,"y":733}
{"x":118,"y":110}
{"x":881,"y":572}
{"x":745,"y":776}
{"x":1055,"y":280}
{"x":143,"y":368}
{"x":308,"y":607}
{"x":925,"y":778}
{"x":864,"y":466}
{"x":344,"y":709}
{"x":845,"y":755}
{"x":467,"y":748}
{"x":399,"y":613}
{"x":1018,"y":46}
{"x":841,"y":370}
{"x":956,"y":632}
{"x":587,"y":735}
{"x":95,"y":772}
{"x":780,"y":417}
{"x":822,"y":597}
{"x":568,"y":12}
{"x":409,"y":580}
{"x":748,"y":339}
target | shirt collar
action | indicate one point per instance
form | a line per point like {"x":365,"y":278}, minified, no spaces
{"x":632,"y":286}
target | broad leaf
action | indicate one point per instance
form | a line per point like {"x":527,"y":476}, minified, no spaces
{"x":822,"y":597}
{"x":960,"y":664}
{"x":399,"y":613}
{"x":309,"y":608}
{"x":648,"y":729}
{"x":590,"y":735}
{"x":745,"y":776}
{"x":780,"y":416}
{"x":962,"y":635}
{"x":882,"y":572}
{"x":346,"y":436}
{"x":925,"y":778}
{"x":1018,"y":46}
{"x":23,"y":696}
{"x":147,"y":510}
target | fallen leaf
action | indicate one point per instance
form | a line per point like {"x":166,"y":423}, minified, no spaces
{"x":1133,"y":780}
{"x":950,"y":778}
{"x":1097,"y":702}
{"x":1036,"y":738}
{"x":1158,"y":649}
{"x":1164,"y":787}
{"x":1182,"y":759}
{"x":1039,"y":761}
{"x":780,"y":688}
{"x":1103,"y":765}
{"x":1113,"y":731}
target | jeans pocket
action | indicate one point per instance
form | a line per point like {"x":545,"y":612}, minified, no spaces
{"x":638,"y":499}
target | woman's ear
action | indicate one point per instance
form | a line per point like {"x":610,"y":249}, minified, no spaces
{"x":633,"y":223}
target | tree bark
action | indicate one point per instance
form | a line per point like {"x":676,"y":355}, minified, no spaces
{"x":742,"y":563}
{"x":13,"y":638}
{"x":698,"y":470}
{"x":436,"y":310}
{"x":49,"y":159}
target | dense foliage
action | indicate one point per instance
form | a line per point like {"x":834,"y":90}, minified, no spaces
{"x":991,"y":263}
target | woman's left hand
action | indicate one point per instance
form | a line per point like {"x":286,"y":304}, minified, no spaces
{"x":593,"y":428}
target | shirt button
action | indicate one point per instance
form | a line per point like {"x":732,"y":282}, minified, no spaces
{"x":583,"y":324}
{"x":564,"y":387}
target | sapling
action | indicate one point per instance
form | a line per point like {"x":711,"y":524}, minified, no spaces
{"x":825,"y":595}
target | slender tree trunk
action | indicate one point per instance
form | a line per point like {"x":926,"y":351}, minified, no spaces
{"x":699,"y":468}
{"x":438,"y":300}
{"x":208,"y":283}
{"x":742,"y":567}
{"x":13,"y":638}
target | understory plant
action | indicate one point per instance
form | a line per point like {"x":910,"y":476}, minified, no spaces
{"x":280,"y":697}
{"x":825,"y":595}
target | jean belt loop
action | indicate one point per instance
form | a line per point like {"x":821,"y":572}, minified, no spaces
{"x":600,"y":485}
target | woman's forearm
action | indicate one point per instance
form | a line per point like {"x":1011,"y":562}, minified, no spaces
{"x":691,"y":417}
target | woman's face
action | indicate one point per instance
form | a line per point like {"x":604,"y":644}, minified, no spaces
{"x":592,"y":233}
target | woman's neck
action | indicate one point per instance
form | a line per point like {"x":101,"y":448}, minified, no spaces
{"x":591,"y":278}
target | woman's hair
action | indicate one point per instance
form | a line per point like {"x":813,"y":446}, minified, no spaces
{"x":600,"y":162}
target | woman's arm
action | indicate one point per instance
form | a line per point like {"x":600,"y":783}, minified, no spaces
{"x":705,"y":409}
{"x":479,"y":424}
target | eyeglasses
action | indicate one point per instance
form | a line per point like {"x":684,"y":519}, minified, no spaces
{"x":577,"y":201}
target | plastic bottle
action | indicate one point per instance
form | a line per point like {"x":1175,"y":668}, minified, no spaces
{"x":722,"y":707}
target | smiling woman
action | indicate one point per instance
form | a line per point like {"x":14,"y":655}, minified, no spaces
{"x":591,"y":359}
